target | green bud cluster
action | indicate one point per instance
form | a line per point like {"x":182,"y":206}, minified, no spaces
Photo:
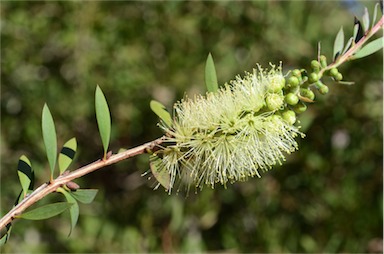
{"x":335,"y":74}
{"x":300,"y":85}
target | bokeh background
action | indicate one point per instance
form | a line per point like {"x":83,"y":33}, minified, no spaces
{"x":327,"y":197}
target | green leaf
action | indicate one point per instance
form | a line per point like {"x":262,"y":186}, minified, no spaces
{"x":45,"y":212}
{"x":49,"y":137}
{"x":26,"y":175}
{"x":5,"y":237}
{"x":210,"y":75}
{"x":103,"y":118}
{"x":348,"y":45}
{"x":85,"y":196}
{"x":67,"y":154}
{"x":338,"y":45}
{"x":160,"y":110}
{"x":159,"y":172}
{"x":73,"y":210}
{"x":365,"y":19}
{"x":357,"y":31}
{"x":375,"y":14}
{"x":369,"y":49}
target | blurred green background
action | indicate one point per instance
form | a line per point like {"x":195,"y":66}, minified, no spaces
{"x":327,"y":197}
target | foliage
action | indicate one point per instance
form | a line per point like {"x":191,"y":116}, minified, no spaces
{"x":325,"y":198}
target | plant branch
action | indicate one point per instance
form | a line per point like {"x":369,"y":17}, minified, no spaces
{"x":63,"y":179}
{"x":348,"y":55}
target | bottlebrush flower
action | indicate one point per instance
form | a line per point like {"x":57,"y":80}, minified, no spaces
{"x":231,"y":134}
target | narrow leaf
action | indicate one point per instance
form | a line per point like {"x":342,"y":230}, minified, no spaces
{"x":160,"y":173}
{"x":103,"y":118}
{"x":347,"y":83}
{"x":357,"y":31}
{"x":73,"y":210}
{"x":365,"y":19}
{"x":26,"y":175}
{"x":49,"y":137}
{"x":375,"y":14}
{"x":338,"y":45}
{"x":348,"y":45}
{"x":85,"y":196}
{"x":67,"y":154}
{"x":369,"y":49}
{"x":210,"y":75}
{"x":5,"y":237}
{"x":160,"y":110}
{"x":46,"y":211}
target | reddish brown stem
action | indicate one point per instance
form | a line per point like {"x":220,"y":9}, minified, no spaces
{"x":61,"y":180}
{"x":347,"y":56}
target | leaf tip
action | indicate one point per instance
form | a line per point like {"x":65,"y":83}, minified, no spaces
{"x":210,"y":75}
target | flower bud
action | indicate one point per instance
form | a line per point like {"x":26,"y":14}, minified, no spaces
{"x":289,"y":116}
{"x":323,"y":61}
{"x":276,"y":83}
{"x":339,"y":77}
{"x":296,"y":73}
{"x":291,"y":99}
{"x":315,"y":65}
{"x":293,"y":81}
{"x":307,"y":93}
{"x":274,"y":101}
{"x":333,"y":72}
{"x":323,"y":89}
{"x":300,"y":108}
{"x":313,"y":77}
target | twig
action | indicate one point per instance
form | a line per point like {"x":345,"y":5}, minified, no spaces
{"x":61,"y":180}
{"x":347,"y":56}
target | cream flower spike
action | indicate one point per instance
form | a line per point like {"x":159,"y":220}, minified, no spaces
{"x":231,"y":134}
